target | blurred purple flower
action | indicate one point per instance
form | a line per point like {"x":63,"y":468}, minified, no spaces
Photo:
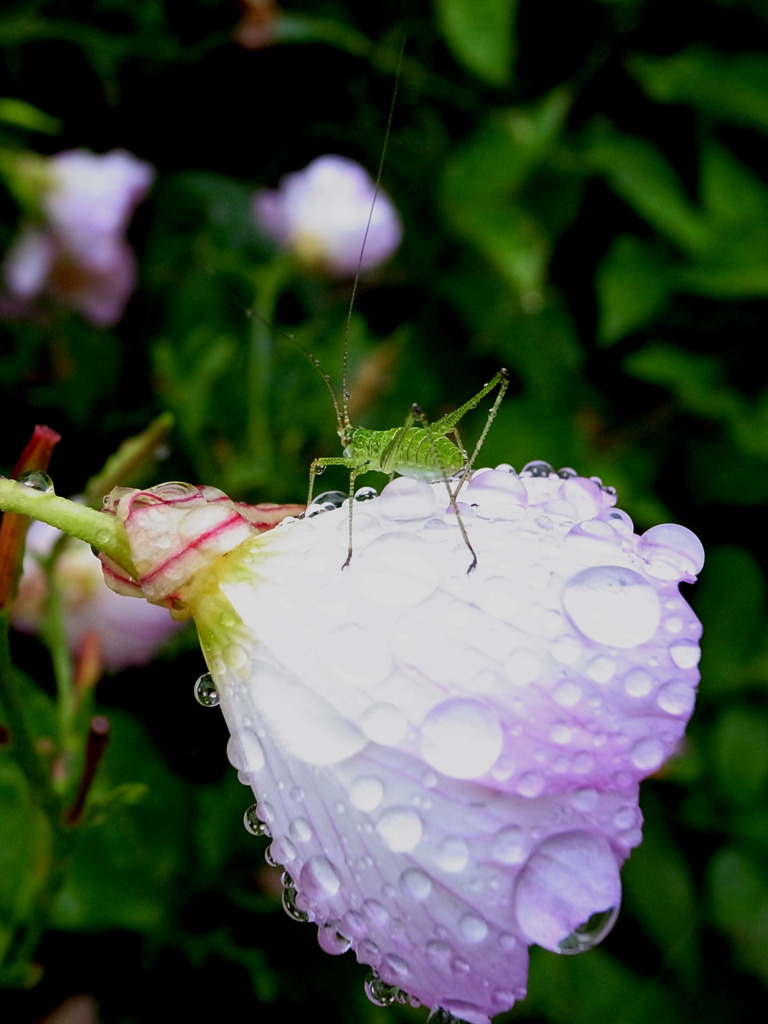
{"x":320,"y":215}
{"x":76,"y":254}
{"x":448,"y":764}
{"x":128,"y":632}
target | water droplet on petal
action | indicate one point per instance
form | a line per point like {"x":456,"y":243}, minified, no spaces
{"x":589,"y":934}
{"x":647,"y":755}
{"x":685,"y":653}
{"x":318,"y":879}
{"x":676,"y":698}
{"x":400,"y":828}
{"x":379,"y":992}
{"x":472,"y":928}
{"x":461,"y":738}
{"x":366,"y":493}
{"x":415,"y":884}
{"x":497,"y":494}
{"x":205,"y":691}
{"x":453,"y":854}
{"x":568,"y":878}
{"x":366,"y":793}
{"x":612,"y":605}
{"x":245,"y":752}
{"x":407,"y":498}
{"x":537,"y":468}
{"x":507,"y":846}
{"x":334,"y":498}
{"x":398,"y":571}
{"x":253,"y":823}
{"x":671,"y":551}
{"x":332,"y":939}
{"x":289,"y":903}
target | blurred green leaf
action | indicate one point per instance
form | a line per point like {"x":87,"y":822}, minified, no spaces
{"x":738,"y":889}
{"x":127,"y":873}
{"x":596,"y":986}
{"x":633,"y":286}
{"x":21,"y":114}
{"x":661,"y":892}
{"x":730,"y":601}
{"x":482,"y":184}
{"x":481,"y":35}
{"x":638,"y":172}
{"x":695,"y":380}
{"x":724,"y":86}
{"x":739,"y":755}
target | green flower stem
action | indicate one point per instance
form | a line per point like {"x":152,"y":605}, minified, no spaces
{"x":101,"y":531}
{"x":35,"y":769}
{"x":270,"y":281}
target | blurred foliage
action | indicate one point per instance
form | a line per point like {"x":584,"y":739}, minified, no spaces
{"x":584,"y":187}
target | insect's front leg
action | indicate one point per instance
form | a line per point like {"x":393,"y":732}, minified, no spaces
{"x":318,"y":467}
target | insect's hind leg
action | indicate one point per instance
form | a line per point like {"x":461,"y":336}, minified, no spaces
{"x":417,"y":413}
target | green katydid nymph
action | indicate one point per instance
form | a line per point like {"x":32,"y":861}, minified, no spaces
{"x":420,"y":452}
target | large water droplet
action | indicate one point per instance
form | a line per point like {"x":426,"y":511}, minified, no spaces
{"x":400,"y":828}
{"x":567,"y":879}
{"x":671,"y":551}
{"x":612,"y":605}
{"x":366,"y":793}
{"x":589,"y":934}
{"x":498,"y":495}
{"x":205,"y":691}
{"x":37,"y":481}
{"x":461,"y":738}
{"x":332,"y":939}
{"x":398,"y":571}
{"x":406,"y":498}
{"x":685,"y":653}
{"x":318,"y":879}
{"x":245,"y":752}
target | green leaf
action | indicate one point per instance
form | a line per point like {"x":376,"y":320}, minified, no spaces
{"x":661,"y":892}
{"x":730,"y":601}
{"x":636,"y":170}
{"x":481,"y":35}
{"x":739,"y":754}
{"x":482,"y":185}
{"x":725,"y":86}
{"x":23,"y":115}
{"x":695,"y":380}
{"x":633,"y":286}
{"x":739,"y":894}
{"x":127,"y":872}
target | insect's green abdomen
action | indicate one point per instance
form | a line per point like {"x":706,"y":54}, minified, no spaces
{"x":413,"y":452}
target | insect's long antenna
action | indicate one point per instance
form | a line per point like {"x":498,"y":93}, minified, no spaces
{"x":252,"y":313}
{"x":356,"y":282}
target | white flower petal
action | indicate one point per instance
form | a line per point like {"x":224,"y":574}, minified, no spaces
{"x":449,"y":763}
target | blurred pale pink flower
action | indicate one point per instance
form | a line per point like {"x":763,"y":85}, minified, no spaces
{"x":128,"y":632}
{"x":320,"y":214}
{"x":448,"y":764}
{"x":76,"y":254}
